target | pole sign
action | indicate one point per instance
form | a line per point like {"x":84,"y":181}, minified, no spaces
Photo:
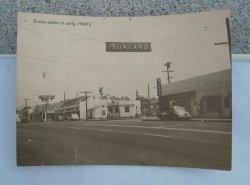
{"x":128,"y":46}
{"x":46,"y":97}
{"x":158,"y":82}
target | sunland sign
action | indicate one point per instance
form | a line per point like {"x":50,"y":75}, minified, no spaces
{"x":128,"y":46}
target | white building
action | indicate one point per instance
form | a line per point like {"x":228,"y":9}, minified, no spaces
{"x":124,"y":108}
{"x":100,"y":107}
{"x":109,"y":107}
{"x":97,"y":108}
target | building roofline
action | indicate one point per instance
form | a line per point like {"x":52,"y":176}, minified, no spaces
{"x":199,"y":76}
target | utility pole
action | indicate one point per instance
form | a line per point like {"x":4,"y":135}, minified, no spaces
{"x":86,"y":97}
{"x":26,"y":102}
{"x":168,"y":71}
{"x":148,"y":109}
{"x":64,"y":94}
{"x":228,"y":37}
{"x":46,"y":109}
{"x":138,"y":98}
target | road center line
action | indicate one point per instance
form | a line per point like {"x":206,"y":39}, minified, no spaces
{"x":125,"y":132}
{"x":115,"y":131}
{"x":144,"y":134}
{"x":147,"y":127}
{"x":161,"y":127}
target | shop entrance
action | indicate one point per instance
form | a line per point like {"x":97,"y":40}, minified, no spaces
{"x":182,"y":99}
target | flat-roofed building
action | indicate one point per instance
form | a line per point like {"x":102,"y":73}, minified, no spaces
{"x":207,"y":95}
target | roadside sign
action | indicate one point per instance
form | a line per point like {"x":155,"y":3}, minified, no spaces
{"x":158,"y":82}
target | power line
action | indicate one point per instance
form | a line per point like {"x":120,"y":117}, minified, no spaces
{"x":79,"y":35}
{"x":36,"y":59}
{"x":56,"y":37}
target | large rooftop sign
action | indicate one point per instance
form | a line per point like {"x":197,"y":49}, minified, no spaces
{"x":128,"y":46}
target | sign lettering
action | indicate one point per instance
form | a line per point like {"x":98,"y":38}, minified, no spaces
{"x":128,"y":47}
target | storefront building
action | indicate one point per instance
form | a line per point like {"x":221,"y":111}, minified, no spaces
{"x":38,"y":113}
{"x":206,"y":96}
{"x":26,"y":114}
{"x":106,"y":107}
{"x":124,"y":108}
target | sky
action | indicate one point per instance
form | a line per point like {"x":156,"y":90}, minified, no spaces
{"x":53,"y":59}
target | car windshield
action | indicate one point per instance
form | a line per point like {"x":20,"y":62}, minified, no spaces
{"x":179,"y":108}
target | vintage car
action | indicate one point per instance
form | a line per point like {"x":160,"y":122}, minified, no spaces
{"x":59,"y":118}
{"x":73,"y":117}
{"x":175,"y":113}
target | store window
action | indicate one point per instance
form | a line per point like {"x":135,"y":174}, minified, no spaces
{"x":117,"y":110}
{"x":103,"y":112}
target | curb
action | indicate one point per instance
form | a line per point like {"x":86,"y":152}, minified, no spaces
{"x":198,"y":120}
{"x":212,"y":120}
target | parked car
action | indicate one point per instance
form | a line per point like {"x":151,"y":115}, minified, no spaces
{"x":59,"y":118}
{"x":73,"y":117}
{"x":175,"y":113}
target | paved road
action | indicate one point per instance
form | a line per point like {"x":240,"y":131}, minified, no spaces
{"x":132,"y":142}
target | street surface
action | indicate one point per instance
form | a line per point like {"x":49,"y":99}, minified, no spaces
{"x":128,"y":142}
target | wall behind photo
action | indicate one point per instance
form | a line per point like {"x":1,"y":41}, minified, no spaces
{"x":8,"y":9}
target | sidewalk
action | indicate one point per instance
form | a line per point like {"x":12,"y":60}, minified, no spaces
{"x":210,"y":120}
{"x":193,"y":119}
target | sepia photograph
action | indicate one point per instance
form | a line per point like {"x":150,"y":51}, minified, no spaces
{"x":151,"y":91}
